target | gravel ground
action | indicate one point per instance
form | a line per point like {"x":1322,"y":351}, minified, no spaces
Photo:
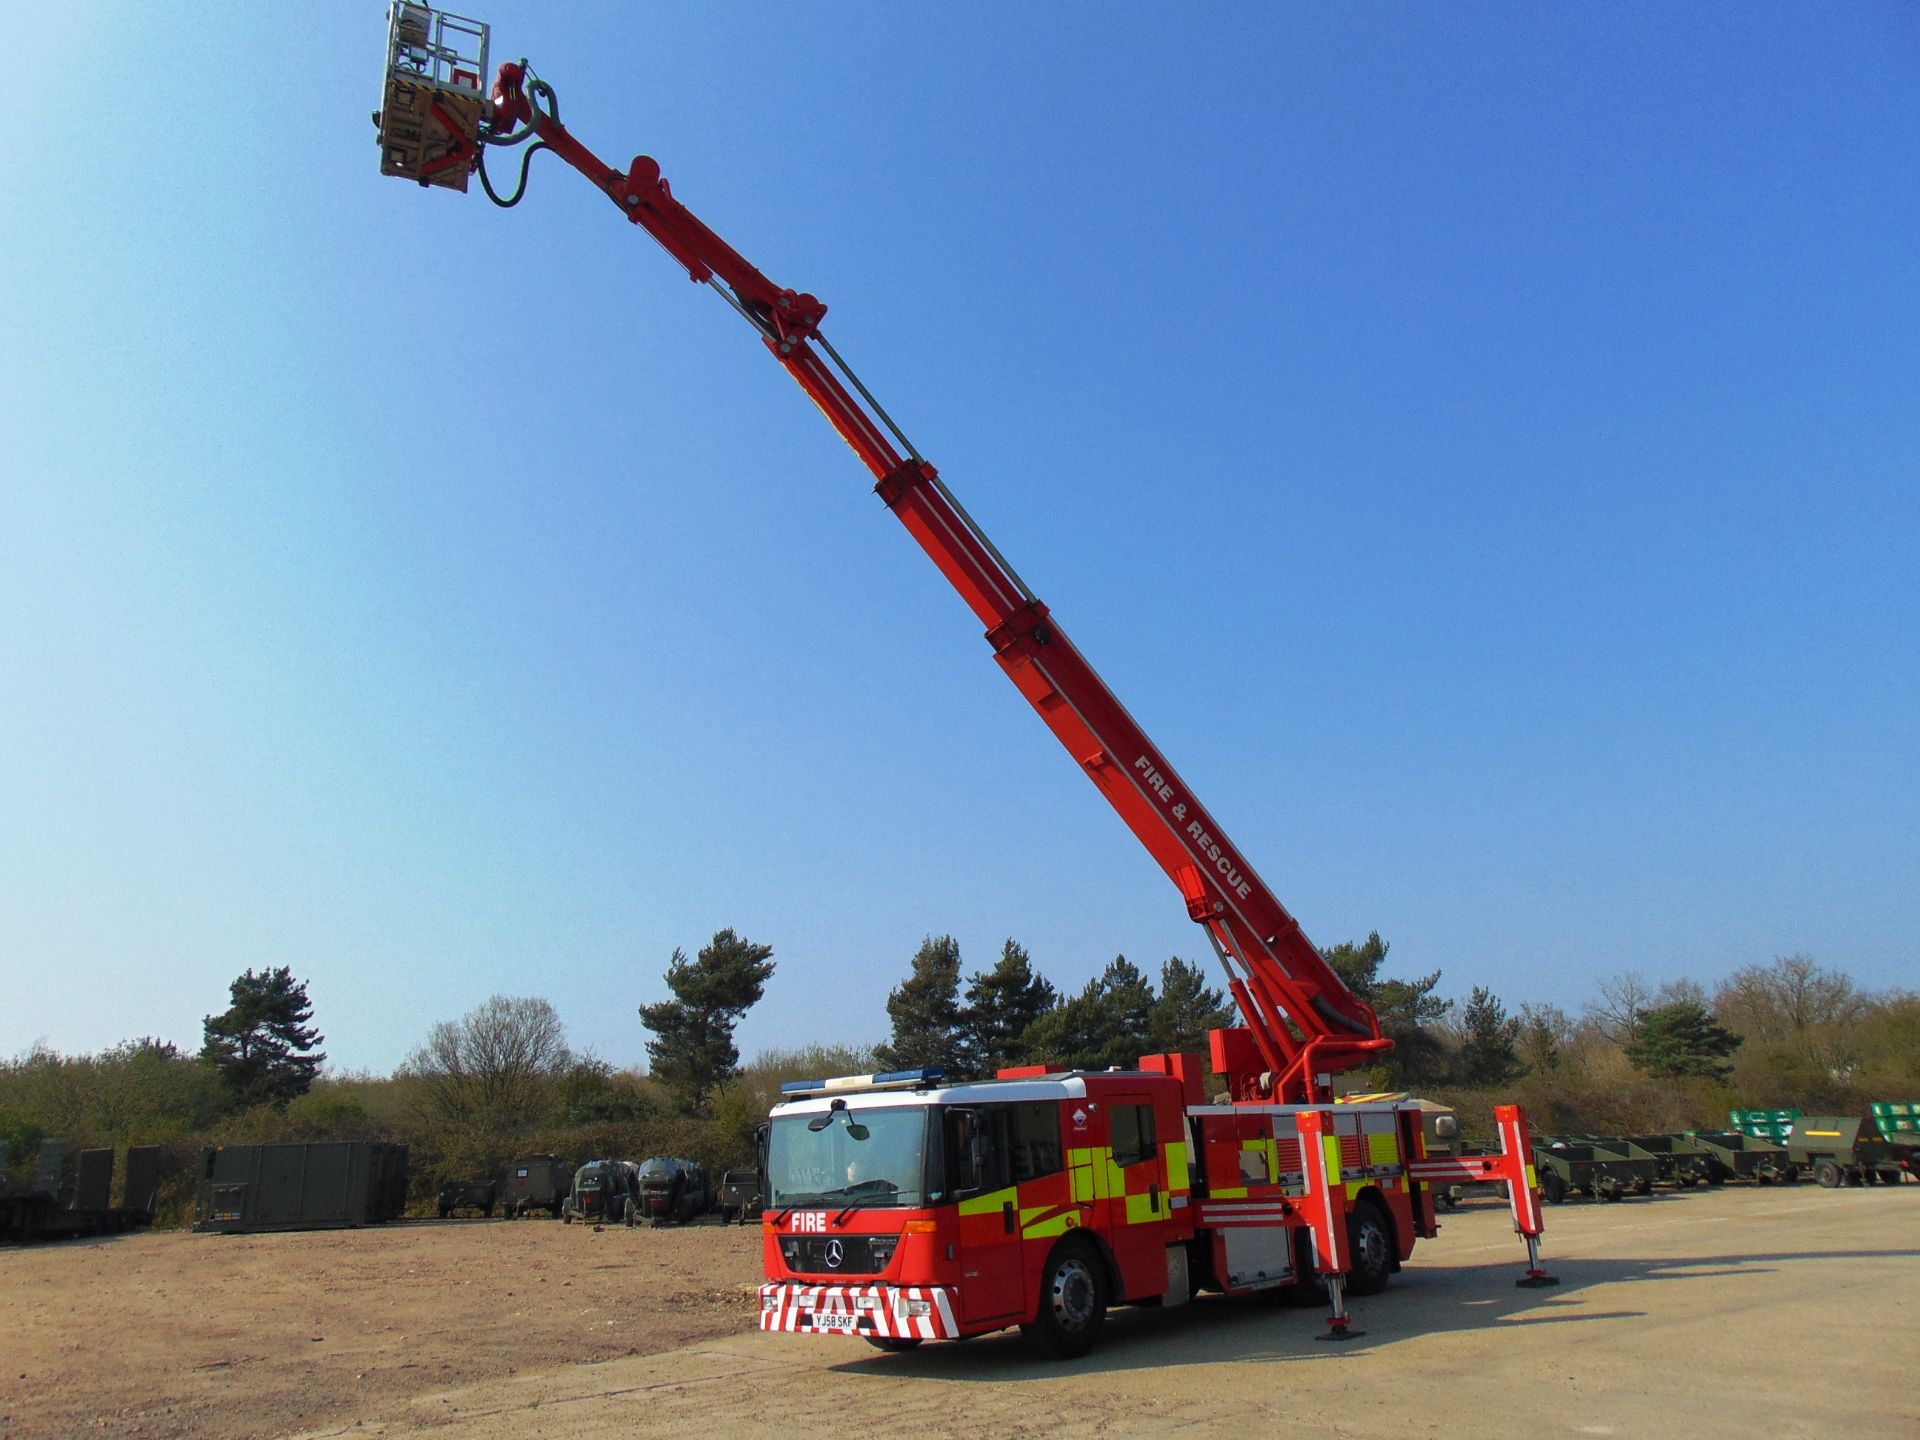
{"x":1738,"y":1312}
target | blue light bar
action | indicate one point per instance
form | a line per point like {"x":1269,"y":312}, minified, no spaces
{"x":885,"y":1080}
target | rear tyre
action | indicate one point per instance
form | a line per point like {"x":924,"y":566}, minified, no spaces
{"x":1828,"y":1175}
{"x":1553,"y":1189}
{"x":1073,"y":1302}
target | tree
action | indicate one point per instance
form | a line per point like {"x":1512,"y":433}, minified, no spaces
{"x":1679,"y":1040}
{"x":1623,"y":1000}
{"x":1488,"y":1041}
{"x":496,"y":1068}
{"x":1407,"y":1010}
{"x":1106,"y":1024}
{"x":928,"y":1028}
{"x":262,"y":1045}
{"x":1002,"y":1004}
{"x":1186,"y":1010}
{"x":1546,"y":1033}
{"x":692,"y":1052}
{"x":1794,"y":999}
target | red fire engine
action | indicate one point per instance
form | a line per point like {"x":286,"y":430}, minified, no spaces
{"x":903,"y":1209}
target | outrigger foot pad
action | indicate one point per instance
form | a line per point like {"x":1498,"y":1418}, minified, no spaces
{"x":1341,"y":1334}
{"x":1536,"y":1280}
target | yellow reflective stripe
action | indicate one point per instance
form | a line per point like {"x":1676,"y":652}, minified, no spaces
{"x":1080,"y":1169}
{"x":988,"y":1204}
{"x":1229,"y":1192}
{"x":1140,"y":1209}
{"x":1057,"y":1225}
{"x":1330,"y":1147}
{"x":1383,"y":1149}
{"x":1177,"y":1174}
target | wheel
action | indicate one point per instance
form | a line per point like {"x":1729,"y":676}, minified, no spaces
{"x":1073,"y":1301}
{"x":1606,"y":1194}
{"x":1553,"y":1189}
{"x":898,"y":1344}
{"x":1828,"y":1175}
{"x":446,"y":1212}
{"x":1370,"y":1239}
{"x":487,"y":1210}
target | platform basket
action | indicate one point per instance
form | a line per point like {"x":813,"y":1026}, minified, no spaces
{"x":432,"y":101}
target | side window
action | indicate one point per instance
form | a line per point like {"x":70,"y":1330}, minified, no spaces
{"x":1133,"y":1134}
{"x":977,"y":1150}
{"x":1033,"y":1134}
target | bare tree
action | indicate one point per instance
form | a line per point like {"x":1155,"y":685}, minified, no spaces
{"x":1624,"y":999}
{"x":1789,"y":999}
{"x":495,"y":1068}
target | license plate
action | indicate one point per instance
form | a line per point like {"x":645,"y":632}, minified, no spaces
{"x":835,"y":1322}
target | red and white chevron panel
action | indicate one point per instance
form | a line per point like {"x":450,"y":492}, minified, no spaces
{"x":903,"y":1312}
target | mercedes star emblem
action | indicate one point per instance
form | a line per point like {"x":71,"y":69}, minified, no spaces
{"x":834,"y":1255}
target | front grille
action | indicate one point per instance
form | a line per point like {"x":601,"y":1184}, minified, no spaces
{"x":838,"y":1254}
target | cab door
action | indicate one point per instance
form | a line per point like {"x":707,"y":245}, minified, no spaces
{"x":1135,"y":1204}
{"x":988,"y":1256}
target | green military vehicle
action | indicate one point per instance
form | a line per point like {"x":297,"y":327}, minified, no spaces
{"x":1569,"y":1165}
{"x":1683,"y":1160}
{"x":1848,"y":1150}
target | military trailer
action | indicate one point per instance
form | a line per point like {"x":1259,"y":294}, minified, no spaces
{"x":1847,"y":1150}
{"x":536,"y":1182}
{"x":741,"y":1196}
{"x":672,"y":1191}
{"x":1680,"y":1159}
{"x":466,"y":1195}
{"x":69,"y":1195}
{"x":1734,"y":1155}
{"x":1567,"y":1167}
{"x":602,"y":1190}
{"x":320,"y":1186}
{"x":1898,"y":1120}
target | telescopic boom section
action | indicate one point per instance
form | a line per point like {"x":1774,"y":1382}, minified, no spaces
{"x":1302,"y":1023}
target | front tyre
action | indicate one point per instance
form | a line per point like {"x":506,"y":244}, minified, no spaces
{"x":1073,"y":1302}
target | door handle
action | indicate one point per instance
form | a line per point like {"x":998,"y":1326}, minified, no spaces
{"x":1153,"y":1198}
{"x":1006,"y":1214}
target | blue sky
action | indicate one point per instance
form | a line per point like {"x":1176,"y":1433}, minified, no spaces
{"x":1477,"y":442}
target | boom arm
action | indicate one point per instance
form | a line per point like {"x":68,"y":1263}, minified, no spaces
{"x":1301,"y":1021}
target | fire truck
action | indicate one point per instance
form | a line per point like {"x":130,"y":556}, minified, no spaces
{"x":901,"y":1208}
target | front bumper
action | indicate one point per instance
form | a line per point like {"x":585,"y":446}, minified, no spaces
{"x":899,"y":1312}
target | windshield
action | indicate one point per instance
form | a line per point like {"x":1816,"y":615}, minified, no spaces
{"x":863,"y":1157}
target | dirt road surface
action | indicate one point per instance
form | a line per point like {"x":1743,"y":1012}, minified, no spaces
{"x":1739,"y":1313}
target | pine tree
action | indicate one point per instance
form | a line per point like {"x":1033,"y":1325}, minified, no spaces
{"x":262,"y":1045}
{"x":928,"y":1028}
{"x":1108,"y":1023}
{"x":1002,"y":1004}
{"x":1407,"y":1008}
{"x":1682,"y":1039}
{"x":1187,"y":1009}
{"x":1488,"y":1039}
{"x":692,"y":1051}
